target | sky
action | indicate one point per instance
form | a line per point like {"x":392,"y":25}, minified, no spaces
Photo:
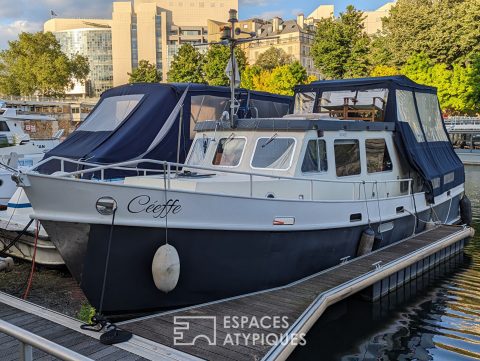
{"x":29,"y":15}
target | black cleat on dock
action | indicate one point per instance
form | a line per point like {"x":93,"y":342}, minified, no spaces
{"x":268,"y":325}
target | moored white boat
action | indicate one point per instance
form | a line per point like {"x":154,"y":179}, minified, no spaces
{"x":17,"y":149}
{"x":465,"y":136}
{"x":20,"y":235}
{"x":260,"y":202}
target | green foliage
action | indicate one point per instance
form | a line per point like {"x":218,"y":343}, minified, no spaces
{"x":446,"y":31}
{"x":187,"y":66}
{"x":216,"y":61}
{"x":341,"y":46}
{"x":249,"y":75}
{"x":145,"y":73}
{"x":35,"y":64}
{"x":384,"y":70}
{"x":457,"y":85}
{"x":86,"y":313}
{"x":272,"y":58}
{"x":280,"y":80}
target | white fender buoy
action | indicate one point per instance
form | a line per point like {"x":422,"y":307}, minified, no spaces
{"x":166,"y":268}
{"x":366,"y":242}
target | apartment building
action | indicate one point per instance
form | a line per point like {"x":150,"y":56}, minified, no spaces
{"x":295,"y":36}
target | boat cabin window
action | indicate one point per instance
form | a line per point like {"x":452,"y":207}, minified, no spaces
{"x":267,"y":109}
{"x":206,"y":107}
{"x":229,"y":152}
{"x":273,"y":153}
{"x":304,"y":103}
{"x":198,"y":151}
{"x":347,"y":157}
{"x":368,"y":105}
{"x":431,"y":118}
{"x":110,"y":113}
{"x":378,"y":158}
{"x":315,"y":157}
{"x":4,"y":127}
{"x":406,"y":113}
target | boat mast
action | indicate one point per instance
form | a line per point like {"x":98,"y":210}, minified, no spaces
{"x":229,"y":36}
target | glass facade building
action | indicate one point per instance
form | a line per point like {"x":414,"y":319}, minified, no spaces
{"x":96,"y":45}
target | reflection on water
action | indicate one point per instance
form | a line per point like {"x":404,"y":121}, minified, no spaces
{"x":436,"y":317}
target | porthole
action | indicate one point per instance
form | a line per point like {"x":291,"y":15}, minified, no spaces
{"x":270,"y":195}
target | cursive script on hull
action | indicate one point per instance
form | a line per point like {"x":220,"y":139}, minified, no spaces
{"x":158,"y":209}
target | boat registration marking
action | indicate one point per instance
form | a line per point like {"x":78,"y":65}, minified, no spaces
{"x":284,"y":221}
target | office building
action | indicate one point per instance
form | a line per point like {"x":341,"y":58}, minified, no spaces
{"x":154,"y":30}
{"x":93,"y":39}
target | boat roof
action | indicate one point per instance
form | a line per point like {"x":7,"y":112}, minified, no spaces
{"x":388,"y":82}
{"x":296,"y":125}
{"x":11,"y":114}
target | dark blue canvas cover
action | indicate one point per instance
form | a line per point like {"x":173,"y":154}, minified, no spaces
{"x":435,"y":161}
{"x":132,"y":137}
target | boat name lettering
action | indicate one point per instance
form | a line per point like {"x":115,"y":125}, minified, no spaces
{"x":159,"y":209}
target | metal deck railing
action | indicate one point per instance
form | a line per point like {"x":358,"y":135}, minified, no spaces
{"x":29,"y":340}
{"x":169,"y":171}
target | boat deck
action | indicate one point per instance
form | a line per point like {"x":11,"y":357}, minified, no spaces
{"x":209,"y":331}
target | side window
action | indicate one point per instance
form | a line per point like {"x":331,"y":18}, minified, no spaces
{"x":229,"y":152}
{"x":378,"y":158}
{"x":315,"y":157}
{"x":4,"y":127}
{"x":347,"y":157}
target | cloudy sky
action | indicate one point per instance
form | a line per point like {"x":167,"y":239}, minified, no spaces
{"x":29,"y":15}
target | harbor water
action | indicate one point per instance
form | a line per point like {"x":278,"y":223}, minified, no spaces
{"x":436,"y":317}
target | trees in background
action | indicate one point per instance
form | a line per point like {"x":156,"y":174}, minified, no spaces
{"x":215,"y":63}
{"x":35,"y":64}
{"x":433,"y":42}
{"x":446,"y":31}
{"x":276,"y":72}
{"x":273,"y":58}
{"x":341,"y":46}
{"x":280,"y":80}
{"x":186,"y":66}
{"x":145,"y":73}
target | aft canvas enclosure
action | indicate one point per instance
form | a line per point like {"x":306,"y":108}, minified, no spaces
{"x":415,"y":110}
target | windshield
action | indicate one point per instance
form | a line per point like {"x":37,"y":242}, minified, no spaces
{"x":273,"y":153}
{"x":198,"y":152}
{"x":229,"y":152}
{"x":110,"y":113}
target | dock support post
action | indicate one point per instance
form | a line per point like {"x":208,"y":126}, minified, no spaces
{"x":25,"y":352}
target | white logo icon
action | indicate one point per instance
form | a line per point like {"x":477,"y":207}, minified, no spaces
{"x":181,"y":336}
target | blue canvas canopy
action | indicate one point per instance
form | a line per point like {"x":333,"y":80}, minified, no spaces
{"x":420,"y":132}
{"x":132,"y":121}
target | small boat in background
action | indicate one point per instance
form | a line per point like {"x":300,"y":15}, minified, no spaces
{"x":18,"y":233}
{"x":465,"y":136}
{"x":17,"y":150}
